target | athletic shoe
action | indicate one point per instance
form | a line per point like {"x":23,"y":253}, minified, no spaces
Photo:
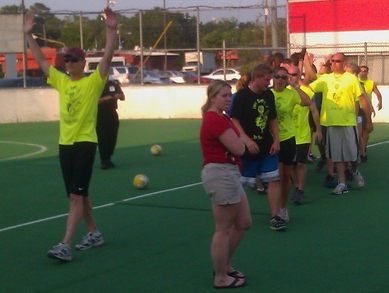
{"x":320,"y":164}
{"x":283,"y":214}
{"x":293,"y":194}
{"x":330,"y":182}
{"x":107,"y":164}
{"x":309,"y":159}
{"x":349,"y":175}
{"x":262,"y":191}
{"x":298,"y":196}
{"x":340,"y":189}
{"x":90,"y":240}
{"x":358,"y":179}
{"x":60,"y":251}
{"x":276,"y":223}
{"x":363,"y":158}
{"x":312,"y":157}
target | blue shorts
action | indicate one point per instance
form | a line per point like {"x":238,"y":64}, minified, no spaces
{"x":266,"y":168}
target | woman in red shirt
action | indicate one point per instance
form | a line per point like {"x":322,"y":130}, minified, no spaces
{"x":221,"y":146}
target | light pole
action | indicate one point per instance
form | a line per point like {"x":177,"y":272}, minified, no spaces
{"x":164,"y":36}
{"x":266,"y":12}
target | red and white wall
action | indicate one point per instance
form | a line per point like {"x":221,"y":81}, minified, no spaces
{"x":333,"y":22}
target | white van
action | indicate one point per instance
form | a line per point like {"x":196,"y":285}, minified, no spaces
{"x":92,"y":62}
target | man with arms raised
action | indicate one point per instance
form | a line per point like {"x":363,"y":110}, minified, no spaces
{"x":78,"y":98}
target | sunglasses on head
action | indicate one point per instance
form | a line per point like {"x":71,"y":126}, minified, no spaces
{"x":283,"y":77}
{"x":71,"y":59}
{"x":335,"y":61}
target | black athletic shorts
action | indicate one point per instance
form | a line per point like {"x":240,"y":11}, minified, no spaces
{"x":77,"y":165}
{"x":302,"y":152}
{"x":287,"y":151}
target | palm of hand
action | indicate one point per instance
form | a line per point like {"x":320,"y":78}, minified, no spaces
{"x":28,"y":21}
{"x":110,"y":18}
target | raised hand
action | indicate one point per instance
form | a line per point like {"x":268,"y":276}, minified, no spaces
{"x":28,"y":22}
{"x":109,"y":18}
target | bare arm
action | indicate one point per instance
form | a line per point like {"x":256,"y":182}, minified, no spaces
{"x":119,"y":96}
{"x":309,"y":73}
{"x":35,"y":49}
{"x":379,"y":96}
{"x":316,"y":120}
{"x":110,"y":21}
{"x":366,"y":106}
{"x":232,"y":142}
{"x":305,"y":100}
{"x":275,"y":147}
{"x":251,"y":145}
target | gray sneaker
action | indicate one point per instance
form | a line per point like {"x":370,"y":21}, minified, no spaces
{"x":60,"y":251}
{"x":283,"y":214}
{"x":90,"y":240}
{"x":358,"y":179}
{"x":298,"y":197}
{"x":276,"y":223}
{"x":340,"y":189}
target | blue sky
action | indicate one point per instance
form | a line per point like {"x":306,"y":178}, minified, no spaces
{"x":96,"y":5}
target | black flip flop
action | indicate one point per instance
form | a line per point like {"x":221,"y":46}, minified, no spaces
{"x":232,"y":285}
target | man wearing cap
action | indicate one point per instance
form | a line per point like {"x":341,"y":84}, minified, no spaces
{"x":78,"y":99}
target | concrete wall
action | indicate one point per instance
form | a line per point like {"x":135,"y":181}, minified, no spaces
{"x":142,"y":102}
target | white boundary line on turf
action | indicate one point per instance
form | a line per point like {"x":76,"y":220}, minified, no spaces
{"x":378,"y":143}
{"x":41,"y":150}
{"x":126,"y":199}
{"x":100,"y":207}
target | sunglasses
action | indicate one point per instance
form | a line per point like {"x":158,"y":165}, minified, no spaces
{"x":283,"y":77}
{"x":71,"y":59}
{"x":335,"y":61}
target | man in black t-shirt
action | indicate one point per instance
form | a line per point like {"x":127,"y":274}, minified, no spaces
{"x":254,"y":114}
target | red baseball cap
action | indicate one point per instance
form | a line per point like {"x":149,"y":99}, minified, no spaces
{"x":75,"y":52}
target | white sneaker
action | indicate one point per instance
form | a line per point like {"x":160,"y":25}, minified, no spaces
{"x":60,"y":251}
{"x":90,"y":240}
{"x":358,"y":179}
{"x":340,"y":189}
{"x":283,"y":214}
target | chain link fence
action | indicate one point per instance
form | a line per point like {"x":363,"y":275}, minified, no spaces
{"x":237,"y":35}
{"x":375,"y":56}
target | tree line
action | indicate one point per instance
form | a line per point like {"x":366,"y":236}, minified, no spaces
{"x":181,"y":34}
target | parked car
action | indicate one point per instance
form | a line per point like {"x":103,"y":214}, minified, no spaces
{"x":120,"y":74}
{"x":132,"y":70}
{"x":231,"y":74}
{"x":177,"y":76}
{"x":193,"y":77}
{"x":18,"y":82}
{"x":150,"y":77}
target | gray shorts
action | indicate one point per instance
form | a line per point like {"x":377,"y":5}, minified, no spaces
{"x":342,"y":143}
{"x":221,"y":183}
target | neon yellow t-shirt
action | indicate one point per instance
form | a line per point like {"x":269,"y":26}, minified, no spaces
{"x":340,"y":92}
{"x":368,"y":85}
{"x":285,"y":102}
{"x":77,"y":105}
{"x":300,"y":116}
